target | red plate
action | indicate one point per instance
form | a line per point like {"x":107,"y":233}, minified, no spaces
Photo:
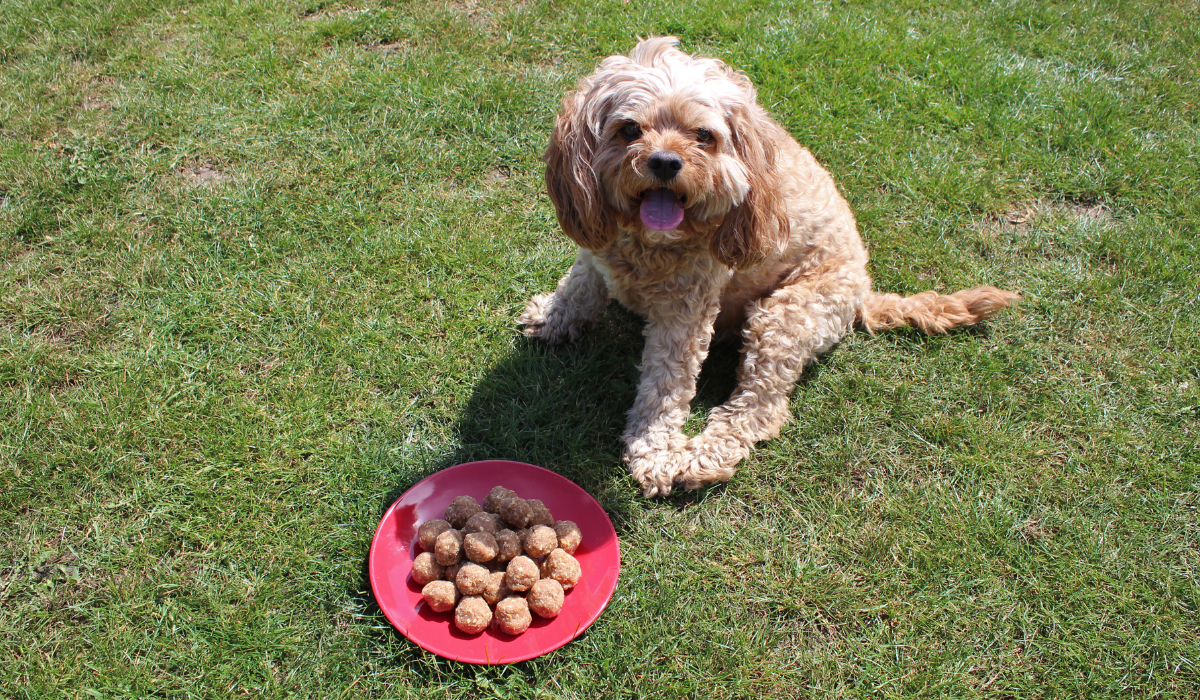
{"x":395,"y":546}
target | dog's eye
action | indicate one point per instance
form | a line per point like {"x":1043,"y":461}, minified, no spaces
{"x":631,"y":131}
{"x":704,"y":136}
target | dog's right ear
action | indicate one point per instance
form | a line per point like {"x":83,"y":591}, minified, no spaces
{"x":572,"y":182}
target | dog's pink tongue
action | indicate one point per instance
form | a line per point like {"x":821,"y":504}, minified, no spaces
{"x":661,"y":210}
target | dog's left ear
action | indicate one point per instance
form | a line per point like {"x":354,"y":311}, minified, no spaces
{"x":759,"y":225}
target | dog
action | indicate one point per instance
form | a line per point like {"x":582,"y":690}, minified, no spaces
{"x":694,"y":209}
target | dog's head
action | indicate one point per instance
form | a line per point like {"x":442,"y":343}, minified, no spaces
{"x":675,"y":145}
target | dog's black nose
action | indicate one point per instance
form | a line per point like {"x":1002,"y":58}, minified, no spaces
{"x":665,"y":165}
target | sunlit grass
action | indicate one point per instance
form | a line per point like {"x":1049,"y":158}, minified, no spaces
{"x":261,"y":265}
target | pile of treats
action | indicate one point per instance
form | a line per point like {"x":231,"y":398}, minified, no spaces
{"x":509,"y":553}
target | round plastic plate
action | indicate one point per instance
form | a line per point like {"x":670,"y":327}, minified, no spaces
{"x":395,"y":546}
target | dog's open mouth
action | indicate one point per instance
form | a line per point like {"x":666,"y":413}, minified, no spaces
{"x":662,"y":209}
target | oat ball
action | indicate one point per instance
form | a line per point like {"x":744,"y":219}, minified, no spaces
{"x":516,"y":512}
{"x":498,"y":493}
{"x":562,"y":567}
{"x":427,"y":534}
{"x":541,"y":514}
{"x":461,"y":509}
{"x":546,"y":598}
{"x":496,"y":590}
{"x":569,"y":535}
{"x":483,"y":522}
{"x":448,"y":547}
{"x":508,"y":545}
{"x":472,"y":579}
{"x":425,"y":568}
{"x":440,"y":595}
{"x":512,"y":615}
{"x":521,"y":573}
{"x":451,"y":572}
{"x":472,"y":615}
{"x":540,"y":541}
{"x":480,"y":546}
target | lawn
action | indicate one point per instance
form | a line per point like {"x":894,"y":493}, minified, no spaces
{"x":260,"y":265}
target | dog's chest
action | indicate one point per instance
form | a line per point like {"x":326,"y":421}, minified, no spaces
{"x":673,"y":277}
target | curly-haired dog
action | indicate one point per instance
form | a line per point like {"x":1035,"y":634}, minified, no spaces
{"x":694,"y":209}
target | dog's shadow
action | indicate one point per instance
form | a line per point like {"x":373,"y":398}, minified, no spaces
{"x":559,"y":407}
{"x":563,"y":407}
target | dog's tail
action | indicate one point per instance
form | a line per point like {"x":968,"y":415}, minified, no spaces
{"x":930,"y":311}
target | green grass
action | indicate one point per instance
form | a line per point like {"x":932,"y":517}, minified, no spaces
{"x":212,"y":388}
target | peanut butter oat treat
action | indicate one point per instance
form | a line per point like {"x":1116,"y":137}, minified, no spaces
{"x":512,"y":615}
{"x":541,"y":514}
{"x":496,"y":590}
{"x":569,"y":535}
{"x":521,"y":573}
{"x":483,"y":522}
{"x":480,"y":547}
{"x":472,"y":579}
{"x":546,"y":598}
{"x":489,"y":560}
{"x":540,"y":541}
{"x":516,"y":512}
{"x":508,"y":545}
{"x":498,"y":493}
{"x":425,"y":568}
{"x":427,"y":534}
{"x":440,"y":595}
{"x":562,"y":567}
{"x":472,"y":615}
{"x":461,"y":509}
{"x":448,"y":547}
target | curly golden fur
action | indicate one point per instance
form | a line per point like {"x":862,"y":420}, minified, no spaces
{"x":694,"y":209}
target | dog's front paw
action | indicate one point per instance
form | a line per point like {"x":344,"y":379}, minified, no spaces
{"x":709,"y":459}
{"x":544,"y":318}
{"x":656,"y":470}
{"x":534,"y":316}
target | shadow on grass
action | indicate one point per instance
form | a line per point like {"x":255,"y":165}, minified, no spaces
{"x":564,"y":407}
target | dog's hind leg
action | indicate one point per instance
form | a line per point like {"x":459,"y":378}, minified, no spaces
{"x":566,"y":313}
{"x":783,"y":332}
